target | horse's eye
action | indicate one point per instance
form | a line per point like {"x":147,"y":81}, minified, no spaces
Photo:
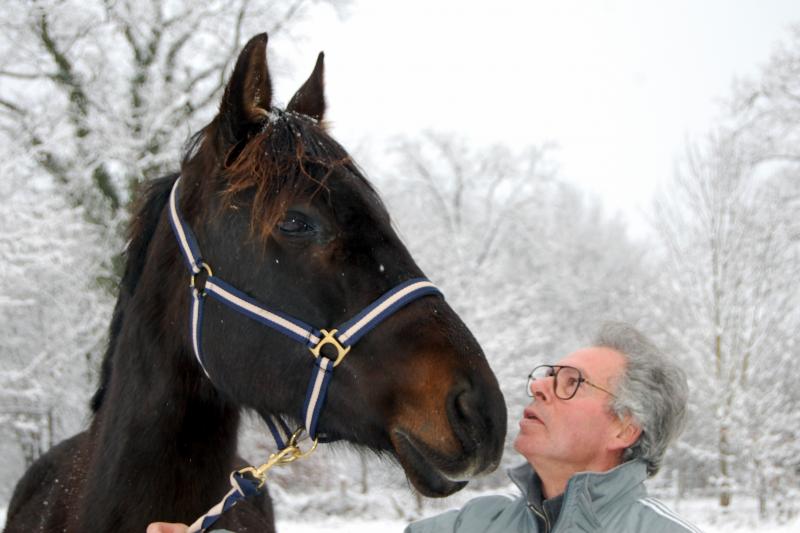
{"x":295,"y":224}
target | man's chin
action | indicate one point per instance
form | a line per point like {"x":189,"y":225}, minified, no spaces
{"x":519,"y":444}
{"x":525,"y":446}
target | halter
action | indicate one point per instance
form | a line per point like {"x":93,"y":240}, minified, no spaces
{"x":340,"y":339}
{"x":248,"y":481}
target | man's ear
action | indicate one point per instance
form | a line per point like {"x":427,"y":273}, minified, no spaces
{"x":627,"y":433}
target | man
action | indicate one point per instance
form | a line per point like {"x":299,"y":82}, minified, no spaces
{"x":598,"y":424}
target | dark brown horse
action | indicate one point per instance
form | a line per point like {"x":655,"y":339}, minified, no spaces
{"x":281,"y":212}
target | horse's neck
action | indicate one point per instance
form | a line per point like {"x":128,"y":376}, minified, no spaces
{"x":163,"y":439}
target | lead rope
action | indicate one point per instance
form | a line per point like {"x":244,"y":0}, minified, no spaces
{"x":250,"y":480}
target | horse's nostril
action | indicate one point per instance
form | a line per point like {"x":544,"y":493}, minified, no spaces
{"x":463,"y":405}
{"x":465,"y":416}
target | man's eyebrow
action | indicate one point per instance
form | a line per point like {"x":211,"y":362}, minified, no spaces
{"x":584,"y":375}
{"x":583,"y":370}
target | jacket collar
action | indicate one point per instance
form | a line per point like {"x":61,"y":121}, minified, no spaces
{"x":596,"y":490}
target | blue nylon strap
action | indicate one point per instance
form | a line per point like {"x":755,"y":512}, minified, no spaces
{"x":382,"y":308}
{"x":190,"y":250}
{"x":241,"y":302}
{"x":279,"y":430}
{"x":315,"y":394}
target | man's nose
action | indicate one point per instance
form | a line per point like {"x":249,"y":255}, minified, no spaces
{"x":542,"y":389}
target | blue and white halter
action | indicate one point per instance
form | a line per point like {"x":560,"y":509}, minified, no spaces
{"x":341,"y":338}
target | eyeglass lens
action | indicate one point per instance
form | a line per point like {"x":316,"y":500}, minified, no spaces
{"x":565,"y":383}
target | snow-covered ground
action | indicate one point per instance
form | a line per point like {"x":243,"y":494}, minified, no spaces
{"x":336,"y":525}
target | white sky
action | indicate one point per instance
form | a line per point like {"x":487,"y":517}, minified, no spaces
{"x":618,"y":85}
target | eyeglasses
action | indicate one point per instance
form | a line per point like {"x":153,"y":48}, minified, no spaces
{"x":566,"y":380}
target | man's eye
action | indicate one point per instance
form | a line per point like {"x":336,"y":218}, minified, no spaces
{"x":295,"y":224}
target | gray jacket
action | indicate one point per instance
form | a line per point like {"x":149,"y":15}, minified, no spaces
{"x":615,"y":501}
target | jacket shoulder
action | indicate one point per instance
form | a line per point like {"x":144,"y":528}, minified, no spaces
{"x":650,"y":514}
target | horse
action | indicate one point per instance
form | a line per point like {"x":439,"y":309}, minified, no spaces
{"x":281,"y":212}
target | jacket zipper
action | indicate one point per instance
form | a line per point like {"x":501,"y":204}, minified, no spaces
{"x":543,"y":516}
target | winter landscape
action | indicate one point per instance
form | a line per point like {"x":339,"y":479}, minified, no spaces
{"x":533,"y":241}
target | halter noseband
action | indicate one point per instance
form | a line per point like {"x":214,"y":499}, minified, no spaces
{"x":341,"y":338}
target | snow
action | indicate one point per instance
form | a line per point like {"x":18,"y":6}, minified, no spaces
{"x":340,"y":525}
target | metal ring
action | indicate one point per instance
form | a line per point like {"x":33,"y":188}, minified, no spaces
{"x":192,"y":279}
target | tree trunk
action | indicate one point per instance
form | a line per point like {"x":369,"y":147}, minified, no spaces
{"x":725,"y":490}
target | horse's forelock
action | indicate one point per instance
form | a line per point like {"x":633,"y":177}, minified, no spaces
{"x":291,"y":158}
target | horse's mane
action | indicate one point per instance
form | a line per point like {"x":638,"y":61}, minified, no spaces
{"x":141,"y":230}
{"x":289,"y":157}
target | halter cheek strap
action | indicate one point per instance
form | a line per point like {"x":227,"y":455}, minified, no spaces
{"x":341,"y":338}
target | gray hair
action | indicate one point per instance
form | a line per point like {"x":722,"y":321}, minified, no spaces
{"x":652,"y":389}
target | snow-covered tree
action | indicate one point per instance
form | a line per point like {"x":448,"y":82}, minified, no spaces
{"x":730,"y":301}
{"x":765,"y":110}
{"x":52,"y":315}
{"x":102,"y":94}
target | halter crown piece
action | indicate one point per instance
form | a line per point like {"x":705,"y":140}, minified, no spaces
{"x":341,"y":339}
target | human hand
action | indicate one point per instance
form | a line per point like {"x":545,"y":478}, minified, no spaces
{"x":164,"y":527}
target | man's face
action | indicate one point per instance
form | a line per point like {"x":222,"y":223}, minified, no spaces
{"x":575,"y":434}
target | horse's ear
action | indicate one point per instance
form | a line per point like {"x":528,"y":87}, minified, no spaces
{"x":247,"y":97}
{"x":309,"y":99}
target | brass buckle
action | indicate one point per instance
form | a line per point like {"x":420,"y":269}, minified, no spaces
{"x":328,"y":338}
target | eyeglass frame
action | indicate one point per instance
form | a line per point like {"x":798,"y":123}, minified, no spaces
{"x":555,"y":369}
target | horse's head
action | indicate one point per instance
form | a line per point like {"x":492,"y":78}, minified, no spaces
{"x":282,"y":213}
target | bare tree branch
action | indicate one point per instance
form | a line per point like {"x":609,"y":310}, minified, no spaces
{"x":26,"y":75}
{"x":11,"y":106}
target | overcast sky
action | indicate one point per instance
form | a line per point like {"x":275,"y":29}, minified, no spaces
{"x":618,"y":85}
